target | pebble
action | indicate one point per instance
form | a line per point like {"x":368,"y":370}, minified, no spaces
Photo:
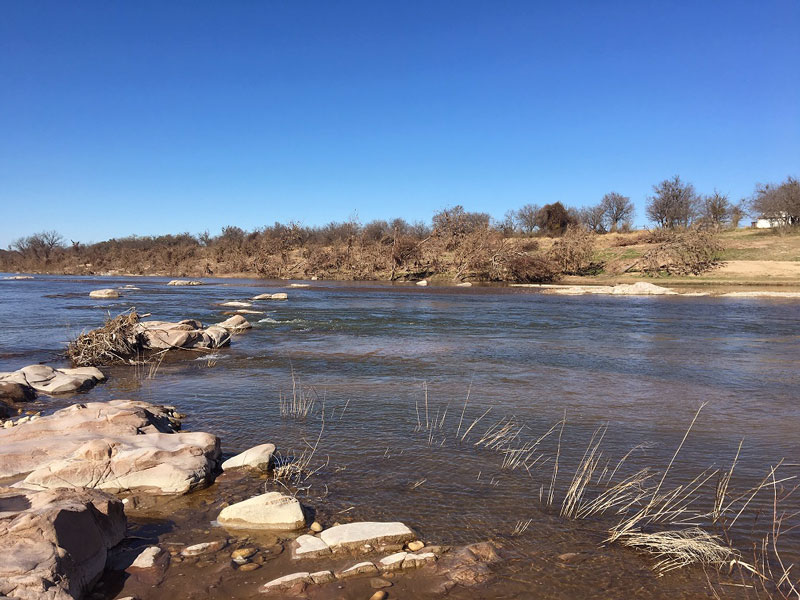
{"x":242,"y":555}
{"x":416,"y":545}
{"x":249,"y":567}
{"x":316,"y":527}
{"x":378,"y":583}
{"x":379,"y":595}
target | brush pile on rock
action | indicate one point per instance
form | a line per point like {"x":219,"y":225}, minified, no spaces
{"x":127,"y":339}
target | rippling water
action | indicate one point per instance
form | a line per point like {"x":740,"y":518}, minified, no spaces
{"x":372,"y":354}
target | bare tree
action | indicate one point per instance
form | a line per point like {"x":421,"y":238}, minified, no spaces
{"x":618,"y":209}
{"x":525,"y":218}
{"x":593,"y":218}
{"x":715,"y":209}
{"x":507,"y":225}
{"x":738,"y":212}
{"x":673,"y":204}
{"x":778,"y":202}
{"x":40,"y":245}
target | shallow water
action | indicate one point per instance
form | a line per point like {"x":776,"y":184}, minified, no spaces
{"x":372,"y":354}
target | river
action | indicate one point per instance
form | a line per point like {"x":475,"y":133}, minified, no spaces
{"x":383,"y":360}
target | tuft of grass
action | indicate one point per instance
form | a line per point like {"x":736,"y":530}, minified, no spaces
{"x":301,"y":402}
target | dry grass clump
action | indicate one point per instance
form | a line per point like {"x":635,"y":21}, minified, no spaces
{"x":117,"y":341}
{"x":681,"y":548}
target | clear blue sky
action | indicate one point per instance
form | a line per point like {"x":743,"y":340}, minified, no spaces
{"x":162,"y":117}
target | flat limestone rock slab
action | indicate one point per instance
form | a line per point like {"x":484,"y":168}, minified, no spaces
{"x":309,"y":546}
{"x":272,"y":510}
{"x":355,"y":535}
{"x":286,"y":581}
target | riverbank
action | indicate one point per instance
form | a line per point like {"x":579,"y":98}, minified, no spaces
{"x":746,"y":257}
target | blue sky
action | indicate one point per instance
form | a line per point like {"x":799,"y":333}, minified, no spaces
{"x":161,"y":117}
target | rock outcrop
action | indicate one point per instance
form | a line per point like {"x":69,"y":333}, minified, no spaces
{"x":25,"y":382}
{"x":189,"y":333}
{"x":54,"y":543}
{"x":114,"y":446}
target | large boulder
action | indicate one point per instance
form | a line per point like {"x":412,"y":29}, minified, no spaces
{"x":257,"y":457}
{"x":235,"y":323}
{"x":113,"y":446}
{"x":54,"y":543}
{"x":40,"y":378}
{"x":272,"y":510}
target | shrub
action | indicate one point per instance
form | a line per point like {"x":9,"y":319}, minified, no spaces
{"x":687,"y":253}
{"x":573,"y":253}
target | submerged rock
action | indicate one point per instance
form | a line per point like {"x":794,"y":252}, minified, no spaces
{"x":272,"y":510}
{"x":54,"y":543}
{"x":183,"y":282}
{"x":115,"y":446}
{"x":257,"y":457}
{"x":108,"y":293}
{"x":640,"y":288}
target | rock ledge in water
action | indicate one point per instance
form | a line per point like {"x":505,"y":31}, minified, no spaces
{"x":114,"y":446}
{"x":44,"y":379}
{"x":184,"y":282}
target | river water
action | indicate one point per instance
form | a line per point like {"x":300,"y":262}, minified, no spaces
{"x":399,"y":373}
